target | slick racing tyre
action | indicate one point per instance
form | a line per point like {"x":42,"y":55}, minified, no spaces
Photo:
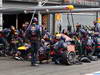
{"x":68,"y":58}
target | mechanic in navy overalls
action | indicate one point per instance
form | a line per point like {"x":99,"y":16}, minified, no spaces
{"x":35,"y":34}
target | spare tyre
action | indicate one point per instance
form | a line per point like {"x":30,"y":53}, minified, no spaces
{"x":68,"y":58}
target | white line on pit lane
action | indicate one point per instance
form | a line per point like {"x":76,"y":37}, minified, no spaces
{"x":95,"y":73}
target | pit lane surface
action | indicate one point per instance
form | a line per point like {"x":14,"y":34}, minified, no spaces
{"x":9,"y":66}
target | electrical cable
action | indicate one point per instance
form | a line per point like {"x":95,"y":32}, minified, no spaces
{"x":72,"y":21}
{"x":43,"y":3}
{"x":68,"y":19}
{"x":30,"y":21}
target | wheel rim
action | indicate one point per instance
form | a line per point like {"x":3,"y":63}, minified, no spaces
{"x":71,"y":58}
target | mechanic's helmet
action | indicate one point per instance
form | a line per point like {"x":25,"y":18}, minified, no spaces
{"x":46,"y":37}
{"x":58,"y":36}
{"x":35,"y":19}
{"x":12,"y":28}
{"x":96,"y":34}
